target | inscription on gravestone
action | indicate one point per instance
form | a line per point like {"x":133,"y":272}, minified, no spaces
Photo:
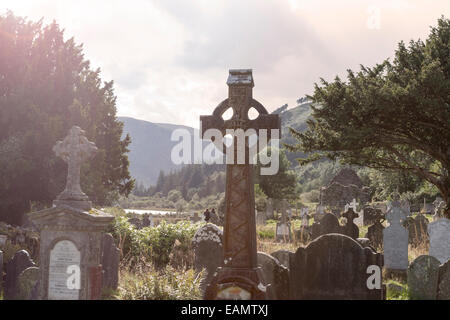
{"x":63,"y":257}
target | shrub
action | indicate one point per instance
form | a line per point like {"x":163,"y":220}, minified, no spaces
{"x":151,"y":243}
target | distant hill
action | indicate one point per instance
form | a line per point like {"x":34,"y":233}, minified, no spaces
{"x":151,"y":146}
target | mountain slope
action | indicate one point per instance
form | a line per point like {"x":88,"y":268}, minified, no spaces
{"x":151,"y":146}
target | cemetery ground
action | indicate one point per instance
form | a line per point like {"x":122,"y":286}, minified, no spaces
{"x":157,"y":262}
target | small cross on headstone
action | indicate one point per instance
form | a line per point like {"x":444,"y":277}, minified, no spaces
{"x":74,"y":150}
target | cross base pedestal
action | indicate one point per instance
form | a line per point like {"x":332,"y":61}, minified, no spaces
{"x":231,"y":283}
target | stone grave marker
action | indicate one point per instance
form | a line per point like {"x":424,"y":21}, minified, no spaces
{"x":423,"y":276}
{"x":336,"y":267}
{"x":328,"y":224}
{"x":439,"y":233}
{"x":260,"y":218}
{"x":444,"y":281}
{"x":395,"y":240}
{"x":14,"y":268}
{"x":283,"y":231}
{"x":275,"y":275}
{"x":71,"y":232}
{"x":269,"y":209}
{"x":283,"y":256}
{"x":350,"y":229}
{"x":320,"y":212}
{"x":3,"y":239}
{"x":375,"y":231}
{"x":110,"y":262}
{"x":240,"y":277}
{"x":208,"y":251}
{"x":28,"y":284}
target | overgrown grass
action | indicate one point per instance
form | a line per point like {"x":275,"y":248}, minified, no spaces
{"x":396,"y":290}
{"x":145,"y":282}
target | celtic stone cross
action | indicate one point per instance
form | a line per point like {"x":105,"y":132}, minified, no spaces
{"x":74,"y":150}
{"x":239,"y":277}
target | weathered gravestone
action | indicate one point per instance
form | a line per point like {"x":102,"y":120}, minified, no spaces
{"x":14,"y":268}
{"x":284,"y":257}
{"x":444,"y":281}
{"x":208,"y":251}
{"x":395,"y":240}
{"x":28,"y":284}
{"x":350,"y":228}
{"x":260,"y":218}
{"x":375,"y":231}
{"x":269,"y":209}
{"x":328,"y":224}
{"x":110,"y":262}
{"x":283,"y":231}
{"x":275,"y":275}
{"x":439,"y":232}
{"x":336,"y":267}
{"x":417,"y":229}
{"x":423,"y":276}
{"x":240,"y":277}
{"x":71,"y":232}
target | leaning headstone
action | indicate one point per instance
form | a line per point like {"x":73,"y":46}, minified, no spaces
{"x":439,"y":232}
{"x":110,"y":262}
{"x":283,"y":256}
{"x":275,"y":275}
{"x":14,"y":268}
{"x":71,"y":232}
{"x":336,"y":267}
{"x":208,"y":251}
{"x":28,"y":284}
{"x":395,"y":240}
{"x":423,"y":276}
{"x":444,"y":281}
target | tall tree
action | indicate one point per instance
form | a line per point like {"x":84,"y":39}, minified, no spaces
{"x":395,"y":116}
{"x":282,"y":185}
{"x":46,"y":87}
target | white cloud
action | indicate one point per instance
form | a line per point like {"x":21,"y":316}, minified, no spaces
{"x":169,"y":59}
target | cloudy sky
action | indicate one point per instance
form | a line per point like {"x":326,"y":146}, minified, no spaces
{"x":170,"y":58}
